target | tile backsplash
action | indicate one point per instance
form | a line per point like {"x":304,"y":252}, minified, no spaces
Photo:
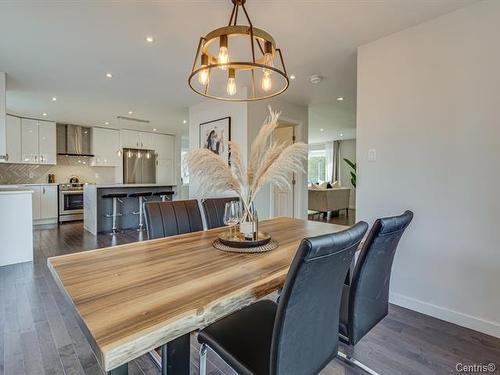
{"x":65,"y":168}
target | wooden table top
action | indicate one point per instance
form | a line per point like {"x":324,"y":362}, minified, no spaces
{"x":135,"y":297}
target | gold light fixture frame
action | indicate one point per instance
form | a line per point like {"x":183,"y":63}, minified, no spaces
{"x":258,"y":37}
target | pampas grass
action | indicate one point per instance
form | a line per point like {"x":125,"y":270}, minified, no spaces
{"x":269,"y":162}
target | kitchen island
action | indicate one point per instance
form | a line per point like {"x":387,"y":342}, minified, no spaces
{"x":96,"y":208}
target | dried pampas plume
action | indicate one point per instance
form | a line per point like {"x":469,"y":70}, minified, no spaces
{"x":269,"y":162}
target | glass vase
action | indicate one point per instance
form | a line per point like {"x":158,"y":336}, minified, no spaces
{"x":249,"y":223}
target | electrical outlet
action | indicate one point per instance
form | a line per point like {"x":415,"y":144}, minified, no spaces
{"x":372,"y":154}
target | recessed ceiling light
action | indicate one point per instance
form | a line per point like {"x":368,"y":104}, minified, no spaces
{"x":155,"y":129}
{"x":54,"y":98}
{"x":106,"y":123}
{"x":321,"y":130}
{"x":184,"y":121}
{"x":149,"y":39}
{"x":44,"y":114}
{"x":340,"y":99}
{"x":109,"y":75}
{"x":130,"y":112}
{"x":341,"y":134}
{"x":292,"y":76}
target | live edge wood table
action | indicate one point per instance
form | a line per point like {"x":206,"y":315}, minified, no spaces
{"x":132,"y":298}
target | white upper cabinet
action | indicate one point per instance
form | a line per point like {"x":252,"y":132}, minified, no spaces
{"x":147,"y":140}
{"x":38,"y":142}
{"x":106,"y":147}
{"x":13,"y":139}
{"x":130,"y":139}
{"x":137,"y":139}
{"x":29,"y":141}
{"x":47,"y":146}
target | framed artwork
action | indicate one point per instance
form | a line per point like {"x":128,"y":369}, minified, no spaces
{"x":214,"y":136}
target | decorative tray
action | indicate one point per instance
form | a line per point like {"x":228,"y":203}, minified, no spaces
{"x":238,"y":241}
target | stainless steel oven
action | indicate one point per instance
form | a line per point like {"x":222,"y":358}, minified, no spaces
{"x":70,"y":202}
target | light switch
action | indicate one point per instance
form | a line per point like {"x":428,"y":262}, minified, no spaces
{"x":372,"y":154}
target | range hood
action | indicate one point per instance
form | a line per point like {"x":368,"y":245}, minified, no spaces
{"x":74,"y":140}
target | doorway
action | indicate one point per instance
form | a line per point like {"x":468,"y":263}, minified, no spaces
{"x":283,"y":201}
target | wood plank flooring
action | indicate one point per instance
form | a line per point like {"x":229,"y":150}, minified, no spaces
{"x":40,"y":335}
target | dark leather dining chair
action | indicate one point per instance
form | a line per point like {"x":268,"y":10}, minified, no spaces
{"x":297,"y":334}
{"x":365,"y":302}
{"x":214,"y":210}
{"x":169,"y":218}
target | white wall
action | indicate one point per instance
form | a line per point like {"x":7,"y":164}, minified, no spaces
{"x":428,"y":101}
{"x":213,"y":110}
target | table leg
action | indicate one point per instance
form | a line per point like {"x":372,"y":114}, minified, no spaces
{"x":121,"y":370}
{"x":175,"y":356}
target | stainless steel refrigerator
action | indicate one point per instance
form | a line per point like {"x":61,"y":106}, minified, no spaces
{"x":139,"y":166}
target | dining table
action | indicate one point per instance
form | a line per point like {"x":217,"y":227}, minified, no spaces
{"x":133,"y":298}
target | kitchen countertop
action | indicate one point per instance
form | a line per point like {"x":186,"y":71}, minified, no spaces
{"x":14,"y":190}
{"x":119,"y":186}
{"x":38,"y":184}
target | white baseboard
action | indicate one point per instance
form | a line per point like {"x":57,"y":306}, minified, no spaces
{"x":443,"y":313}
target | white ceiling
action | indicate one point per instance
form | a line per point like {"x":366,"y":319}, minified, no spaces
{"x":64,"y":49}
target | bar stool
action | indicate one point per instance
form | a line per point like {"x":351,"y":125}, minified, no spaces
{"x":116,"y":198}
{"x":142,"y":197}
{"x":164,"y":195}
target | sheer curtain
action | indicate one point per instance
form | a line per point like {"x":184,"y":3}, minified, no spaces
{"x":332,"y":161}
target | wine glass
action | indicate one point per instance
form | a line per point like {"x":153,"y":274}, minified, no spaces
{"x":232,"y":215}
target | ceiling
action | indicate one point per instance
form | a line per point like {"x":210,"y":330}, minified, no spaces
{"x":64,"y":49}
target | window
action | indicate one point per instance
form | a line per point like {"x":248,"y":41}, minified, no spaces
{"x":317,"y":163}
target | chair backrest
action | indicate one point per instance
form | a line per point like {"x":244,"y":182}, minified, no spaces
{"x":305,"y":336}
{"x":214,"y":211}
{"x":369,"y":289}
{"x":169,"y":218}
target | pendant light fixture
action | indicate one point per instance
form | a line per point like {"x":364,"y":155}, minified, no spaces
{"x":238,"y":62}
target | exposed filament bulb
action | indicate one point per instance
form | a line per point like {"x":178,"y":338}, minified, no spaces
{"x":231,"y":83}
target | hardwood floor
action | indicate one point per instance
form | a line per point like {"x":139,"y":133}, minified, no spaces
{"x":342,"y":219}
{"x":39,"y":334}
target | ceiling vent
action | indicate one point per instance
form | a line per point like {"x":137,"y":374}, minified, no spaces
{"x":133,"y":119}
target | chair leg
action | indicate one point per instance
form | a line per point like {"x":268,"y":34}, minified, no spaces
{"x":141,"y":214}
{"x":203,"y":359}
{"x":347,"y":358}
{"x":114,"y":230}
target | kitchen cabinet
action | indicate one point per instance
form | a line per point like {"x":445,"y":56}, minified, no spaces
{"x":106,"y":147}
{"x":163,"y":145}
{"x":13,"y":140}
{"x":29,"y":141}
{"x":47,"y":145}
{"x":48,"y":202}
{"x":38,"y":142}
{"x":129,"y":139}
{"x":35,"y":200}
{"x":137,"y":139}
{"x":165,"y":171}
{"x":44,"y":203}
